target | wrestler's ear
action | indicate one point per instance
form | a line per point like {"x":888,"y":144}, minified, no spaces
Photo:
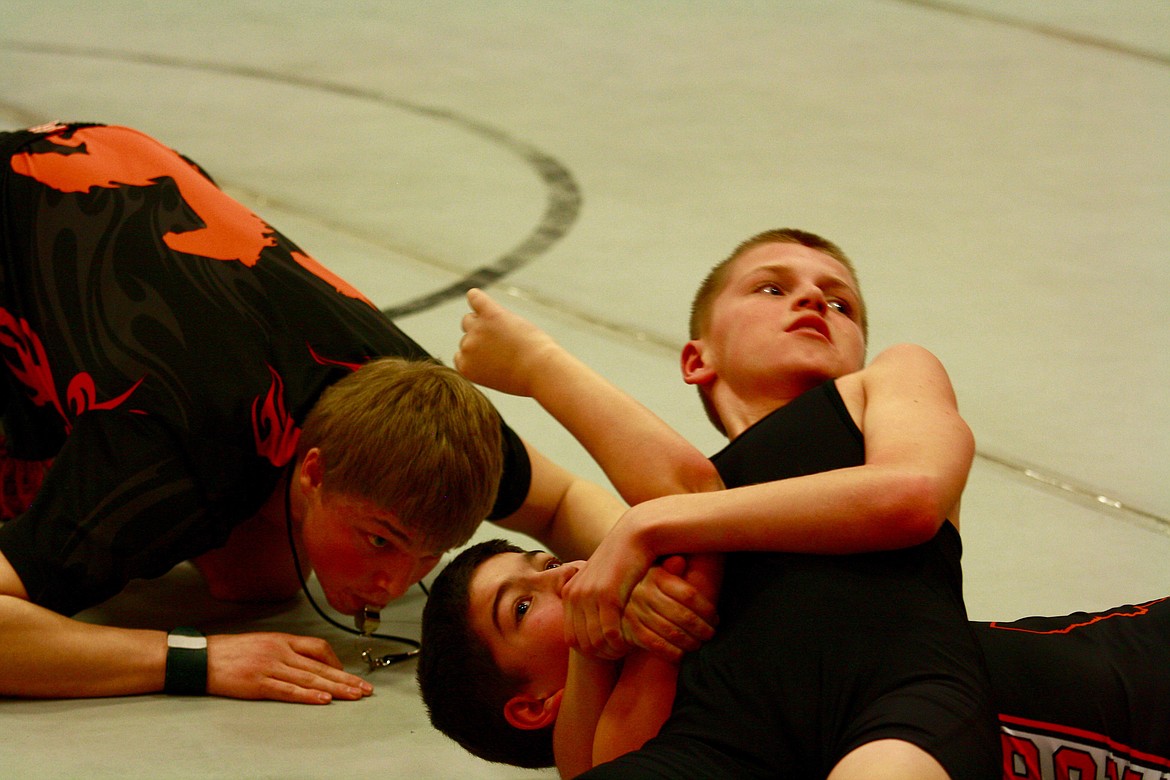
{"x":527,"y":712}
{"x":695,"y":368}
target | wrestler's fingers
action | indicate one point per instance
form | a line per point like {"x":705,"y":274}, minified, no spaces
{"x":687,"y":609}
{"x":675,"y":600}
{"x":665,"y":641}
{"x":586,"y":634}
{"x":663,"y":634}
{"x":574,"y":625}
{"x":606,"y":634}
{"x":674,"y":564}
{"x":615,"y":634}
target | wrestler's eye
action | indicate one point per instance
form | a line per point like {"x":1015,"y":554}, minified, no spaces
{"x":841,"y":306}
{"x":377,"y":541}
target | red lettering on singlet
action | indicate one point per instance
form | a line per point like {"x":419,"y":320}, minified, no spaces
{"x":1128,"y":773}
{"x":112,"y":157}
{"x":1021,"y":758}
{"x":1038,"y":751}
{"x":1073,"y":764}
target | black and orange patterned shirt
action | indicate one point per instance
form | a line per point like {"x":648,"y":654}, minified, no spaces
{"x":162,"y":343}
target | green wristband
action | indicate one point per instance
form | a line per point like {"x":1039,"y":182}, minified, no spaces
{"x":186,"y":663}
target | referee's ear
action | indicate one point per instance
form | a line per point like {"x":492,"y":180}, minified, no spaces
{"x":312,"y":470}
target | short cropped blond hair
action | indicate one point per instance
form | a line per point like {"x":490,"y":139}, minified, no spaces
{"x":415,"y":438}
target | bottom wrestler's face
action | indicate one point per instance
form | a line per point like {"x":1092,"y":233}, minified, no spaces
{"x":362,"y":555}
{"x":516,"y":608}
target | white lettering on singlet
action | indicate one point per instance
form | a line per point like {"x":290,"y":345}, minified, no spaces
{"x":1044,"y":753}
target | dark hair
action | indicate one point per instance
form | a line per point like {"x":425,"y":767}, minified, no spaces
{"x":463,"y":687}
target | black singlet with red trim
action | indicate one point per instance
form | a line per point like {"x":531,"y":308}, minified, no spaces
{"x":1083,"y":695}
{"x":163,"y":344}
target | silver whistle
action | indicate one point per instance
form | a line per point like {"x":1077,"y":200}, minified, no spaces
{"x":367,"y":620}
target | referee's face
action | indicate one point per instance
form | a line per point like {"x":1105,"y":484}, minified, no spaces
{"x":362,"y":555}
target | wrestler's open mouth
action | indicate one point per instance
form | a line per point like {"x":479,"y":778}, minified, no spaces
{"x":810,"y":322}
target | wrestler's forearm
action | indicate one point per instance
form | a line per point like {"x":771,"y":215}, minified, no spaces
{"x":587,"y":689}
{"x":638,"y":707}
{"x":643,"y":457}
{"x":843,"y":511}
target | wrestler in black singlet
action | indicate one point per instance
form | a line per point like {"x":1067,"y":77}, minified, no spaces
{"x":817,"y":655}
{"x":1083,"y":695}
{"x":163,"y":344}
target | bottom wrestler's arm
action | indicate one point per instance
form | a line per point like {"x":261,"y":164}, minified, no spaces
{"x":637,"y":709}
{"x":602,"y":718}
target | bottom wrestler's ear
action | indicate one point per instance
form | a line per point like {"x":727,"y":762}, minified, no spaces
{"x":527,"y":712}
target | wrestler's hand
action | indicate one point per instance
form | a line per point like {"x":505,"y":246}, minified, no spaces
{"x":500,"y":349}
{"x":280,"y":667}
{"x":595,"y":599}
{"x":672,"y":610}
